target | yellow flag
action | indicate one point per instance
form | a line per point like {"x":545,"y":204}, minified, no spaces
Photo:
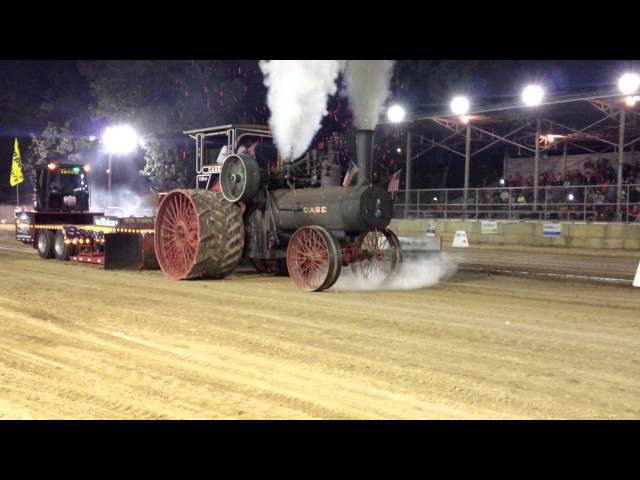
{"x":16,"y":166}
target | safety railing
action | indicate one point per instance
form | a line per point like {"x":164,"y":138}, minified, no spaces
{"x":577,"y":203}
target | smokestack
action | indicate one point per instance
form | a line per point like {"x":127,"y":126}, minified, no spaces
{"x":364,"y":156}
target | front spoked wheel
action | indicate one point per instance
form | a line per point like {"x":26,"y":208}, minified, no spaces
{"x":313,"y":258}
{"x":378,"y":255}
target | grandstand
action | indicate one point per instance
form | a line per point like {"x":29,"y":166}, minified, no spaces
{"x":572,"y":158}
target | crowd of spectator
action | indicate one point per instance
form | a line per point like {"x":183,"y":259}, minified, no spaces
{"x":600,"y":173}
{"x":601,"y":179}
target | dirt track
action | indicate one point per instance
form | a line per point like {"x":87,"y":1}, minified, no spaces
{"x":78,"y":342}
{"x":583,"y":263}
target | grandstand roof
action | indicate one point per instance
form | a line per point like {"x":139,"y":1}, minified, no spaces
{"x":585,"y":124}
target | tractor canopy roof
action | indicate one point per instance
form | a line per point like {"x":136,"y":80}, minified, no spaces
{"x":263,"y":129}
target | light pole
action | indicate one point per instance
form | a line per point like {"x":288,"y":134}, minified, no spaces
{"x":118,"y":139}
{"x":460,"y":106}
{"x":109,"y":183}
{"x":532,"y":96}
{"x":628,"y":84}
{"x":397,"y":114}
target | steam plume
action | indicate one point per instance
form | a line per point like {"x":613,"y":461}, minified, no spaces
{"x":368,"y":88}
{"x":421,"y":272}
{"x":297,"y":98}
{"x":124,"y":202}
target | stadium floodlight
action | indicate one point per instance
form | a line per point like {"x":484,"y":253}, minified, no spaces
{"x":629,"y":83}
{"x":631,"y":100}
{"x":532,"y":95}
{"x":120,"y":139}
{"x":502,"y":181}
{"x":396,"y":113}
{"x":570,"y":197}
{"x":460,"y":105}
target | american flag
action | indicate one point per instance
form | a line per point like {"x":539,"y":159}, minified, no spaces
{"x":394,"y":183}
{"x":353,"y":169}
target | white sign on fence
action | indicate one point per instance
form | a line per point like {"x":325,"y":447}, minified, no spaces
{"x":488,"y":226}
{"x":551,"y":229}
{"x":420,"y":244}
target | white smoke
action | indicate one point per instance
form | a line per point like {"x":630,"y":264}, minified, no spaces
{"x":124,"y":202}
{"x":297,"y":97}
{"x":368,"y":88}
{"x":419,"y":272}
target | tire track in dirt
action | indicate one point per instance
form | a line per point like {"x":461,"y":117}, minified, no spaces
{"x":135,"y":345}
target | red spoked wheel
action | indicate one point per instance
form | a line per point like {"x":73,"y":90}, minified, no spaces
{"x":198,"y":234}
{"x":177,"y":235}
{"x":378,"y":255}
{"x":313,"y":259}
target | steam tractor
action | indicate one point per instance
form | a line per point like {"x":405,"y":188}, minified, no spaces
{"x":284,"y":217}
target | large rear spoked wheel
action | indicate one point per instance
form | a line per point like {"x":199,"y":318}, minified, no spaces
{"x":378,"y":255}
{"x":198,"y":234}
{"x":313,"y":259}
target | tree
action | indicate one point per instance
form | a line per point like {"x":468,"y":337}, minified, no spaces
{"x":167,"y":167}
{"x":164,"y":98}
{"x":55,"y":143}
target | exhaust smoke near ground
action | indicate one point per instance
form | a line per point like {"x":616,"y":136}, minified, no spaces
{"x":368,"y":88}
{"x":414,"y":273}
{"x":124,"y":202}
{"x":297,"y":96}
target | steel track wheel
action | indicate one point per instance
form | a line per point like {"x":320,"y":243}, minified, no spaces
{"x":379,"y":255}
{"x":313,"y":258}
{"x":198,"y":234}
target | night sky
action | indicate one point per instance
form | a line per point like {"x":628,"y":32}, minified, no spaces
{"x":33,"y":93}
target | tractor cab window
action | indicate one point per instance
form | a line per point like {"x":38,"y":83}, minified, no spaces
{"x":68,"y":181}
{"x":68,"y":188}
{"x":214,"y":150}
